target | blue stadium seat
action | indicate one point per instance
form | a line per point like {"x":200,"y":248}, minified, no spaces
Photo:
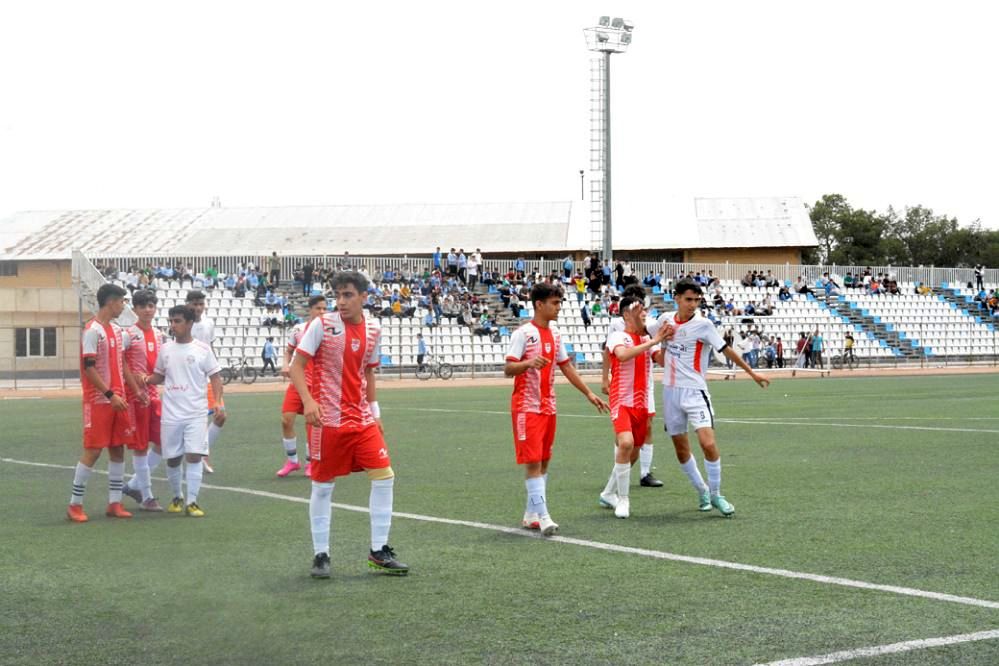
{"x":657,"y":290}
{"x":386,"y":360}
{"x":580,"y":357}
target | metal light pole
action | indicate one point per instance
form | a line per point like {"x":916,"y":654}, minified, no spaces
{"x":609,"y":36}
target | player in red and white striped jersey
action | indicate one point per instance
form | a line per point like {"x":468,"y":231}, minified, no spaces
{"x":631,"y":366}
{"x":686,"y":401}
{"x":341,"y":406}
{"x":144,"y":343}
{"x":292,"y":404}
{"x":535,"y":349}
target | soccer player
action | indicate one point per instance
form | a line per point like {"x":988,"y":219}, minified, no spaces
{"x":535,"y":349}
{"x":631,"y":367}
{"x":341,"y":405}
{"x":645,"y":449}
{"x":204,"y":330}
{"x":292,"y":400}
{"x":185,"y":367}
{"x":141,"y":352}
{"x":686,"y":401}
{"x":106,"y":420}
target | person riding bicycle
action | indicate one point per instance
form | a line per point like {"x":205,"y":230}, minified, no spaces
{"x":848,"y":348}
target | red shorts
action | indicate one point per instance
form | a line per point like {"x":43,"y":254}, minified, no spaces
{"x":634,"y":421}
{"x":533,"y":436}
{"x":336,"y":452}
{"x":147,"y":424}
{"x":103,"y":427}
{"x":292,"y":401}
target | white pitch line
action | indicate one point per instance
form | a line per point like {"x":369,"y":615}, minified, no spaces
{"x":609,"y":547}
{"x":894,"y":648}
{"x":855,"y":425}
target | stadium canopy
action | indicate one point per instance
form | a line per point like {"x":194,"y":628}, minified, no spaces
{"x":509,"y":228}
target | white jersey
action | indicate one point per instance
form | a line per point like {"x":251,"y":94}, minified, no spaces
{"x":688,"y":352}
{"x":204,"y":330}
{"x":185,"y":368}
{"x":616,"y":325}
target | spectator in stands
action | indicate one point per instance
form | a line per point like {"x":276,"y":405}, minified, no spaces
{"x":437,"y":259}
{"x":584,"y":312}
{"x":274,"y":264}
{"x":731,"y":310}
{"x":980,"y":277}
{"x":268,"y":354}
{"x":766,"y":308}
{"x":579,"y":282}
{"x":462,"y":266}
{"x":848,"y":280}
{"x":613,"y":308}
{"x":718,"y":300}
{"x":874,"y":287}
{"x":188,"y":274}
{"x":452,"y":263}
{"x":307,"y":274}
{"x":568,"y":266}
{"x":747,"y":279}
{"x":993,"y":302}
{"x":239,"y":291}
{"x":784,"y":294}
{"x":756,"y":347}
{"x":770,"y":352}
{"x":922,"y":289}
{"x":891,"y":286}
{"x":745,"y":348}
{"x":771,"y":281}
{"x":803,"y":351}
{"x":750,"y":309}
{"x":779,"y":351}
{"x":801,"y":286}
{"x":229,"y":282}
{"x":729,"y":339}
{"x":817,"y":350}
{"x":829,"y":285}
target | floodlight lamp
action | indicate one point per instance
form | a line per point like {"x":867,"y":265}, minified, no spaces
{"x":617,"y":23}
{"x":602,"y":36}
{"x":604,"y":21}
{"x":628,"y":25}
{"x":626,"y":39}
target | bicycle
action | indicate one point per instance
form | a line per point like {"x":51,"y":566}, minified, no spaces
{"x":433,"y":366}
{"x":848,"y":360}
{"x":239,"y":368}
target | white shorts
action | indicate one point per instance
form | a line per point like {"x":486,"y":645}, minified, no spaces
{"x":683,"y":407}
{"x":180,"y":438}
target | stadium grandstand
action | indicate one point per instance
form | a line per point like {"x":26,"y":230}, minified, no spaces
{"x":747,"y":252}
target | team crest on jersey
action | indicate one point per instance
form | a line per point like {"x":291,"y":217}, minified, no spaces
{"x":151,"y":346}
{"x":548,"y":348}
{"x":355,"y":344}
{"x":190,"y":360}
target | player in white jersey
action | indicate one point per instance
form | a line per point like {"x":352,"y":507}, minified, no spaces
{"x":645,"y":451}
{"x":204,"y":330}
{"x":686,"y":400}
{"x":185,"y":367}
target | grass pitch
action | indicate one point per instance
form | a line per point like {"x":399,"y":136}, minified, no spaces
{"x":883,"y":480}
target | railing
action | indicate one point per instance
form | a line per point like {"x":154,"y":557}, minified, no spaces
{"x":86,"y":281}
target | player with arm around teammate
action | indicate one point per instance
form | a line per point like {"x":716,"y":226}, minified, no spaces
{"x":341,"y":406}
{"x":686,"y":401}
{"x":204,"y":331}
{"x":535,"y":349}
{"x":631,"y":367}
{"x":292,"y":404}
{"x":185,"y":367}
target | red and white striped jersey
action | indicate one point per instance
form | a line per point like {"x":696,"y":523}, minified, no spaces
{"x":629,"y":379}
{"x":293,"y":339}
{"x":688,"y":352}
{"x":105,"y":343}
{"x":534,"y":389}
{"x":142,"y":346}
{"x":651,"y":326}
{"x":340,"y":354}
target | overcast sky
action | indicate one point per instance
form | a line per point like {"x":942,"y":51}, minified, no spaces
{"x":141,"y":104}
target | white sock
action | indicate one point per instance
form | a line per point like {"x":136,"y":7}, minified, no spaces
{"x":291,"y":449}
{"x":380,"y":506}
{"x":141,"y":479}
{"x":80,"y":478}
{"x":116,"y":474}
{"x":153,"y":459}
{"x":645,"y":459}
{"x":536,"y":495}
{"x":173,"y":476}
{"x":213,"y":434}
{"x":714,"y":475}
{"x":320,"y":516}
{"x":195,"y":472}
{"x":694,"y":474}
{"x":622,"y":473}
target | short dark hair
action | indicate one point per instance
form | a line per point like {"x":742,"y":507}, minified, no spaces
{"x":194,"y":295}
{"x":635,"y":290}
{"x":344,"y":278}
{"x":685,"y":285}
{"x":629,"y":302}
{"x":316,"y":299}
{"x":144,"y":297}
{"x":542,"y":291}
{"x":108,"y":291}
{"x":183,"y":310}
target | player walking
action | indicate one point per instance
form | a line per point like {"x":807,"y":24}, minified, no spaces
{"x":631,"y":366}
{"x":204,"y":330}
{"x":341,"y":405}
{"x":106,"y":420}
{"x":686,"y":400}
{"x":292,"y":400}
{"x":185,"y":367}
{"x":535,"y":349}
{"x":143,"y":348}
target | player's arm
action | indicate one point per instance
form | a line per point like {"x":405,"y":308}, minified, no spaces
{"x":731,"y":355}
{"x":289,"y":352}
{"x":216,"y":379}
{"x":311,"y":409}
{"x":118,"y":403}
{"x":605,"y":371}
{"x":514,"y":368}
{"x":371,"y":393}
{"x":569,"y":371}
{"x":134,"y":383}
{"x":154,"y":379}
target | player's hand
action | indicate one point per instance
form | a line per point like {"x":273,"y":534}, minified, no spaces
{"x":312,"y":412}
{"x":144,"y":399}
{"x":761,"y":380}
{"x":658,"y":357}
{"x":286,"y":373}
{"x":598,"y":402}
{"x":664,"y":333}
{"x":118,"y":403}
{"x":219,"y":418}
{"x":538,"y":362}
{"x":605,"y":387}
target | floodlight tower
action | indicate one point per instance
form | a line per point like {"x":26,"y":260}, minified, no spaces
{"x":609,"y":36}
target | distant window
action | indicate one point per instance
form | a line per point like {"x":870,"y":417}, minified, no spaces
{"x":8,"y":269}
{"x":34,"y":342}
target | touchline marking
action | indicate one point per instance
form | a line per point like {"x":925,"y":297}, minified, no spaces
{"x":894,"y":648}
{"x":854,"y":425}
{"x":609,"y":547}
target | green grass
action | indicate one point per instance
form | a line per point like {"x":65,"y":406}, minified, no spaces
{"x":914,"y":508}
